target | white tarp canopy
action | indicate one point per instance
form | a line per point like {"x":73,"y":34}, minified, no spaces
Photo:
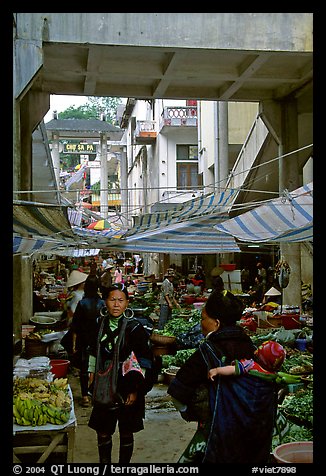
{"x":285,"y":219}
{"x":186,"y":229}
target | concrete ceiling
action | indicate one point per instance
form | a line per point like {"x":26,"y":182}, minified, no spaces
{"x":174,"y":73}
{"x":143,"y":72}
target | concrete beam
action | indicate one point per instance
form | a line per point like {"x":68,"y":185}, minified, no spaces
{"x":227,"y":31}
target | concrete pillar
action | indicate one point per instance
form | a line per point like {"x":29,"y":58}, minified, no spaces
{"x":104,"y":176}
{"x":290,"y":179}
{"x":223,"y":142}
{"x":124,"y":186}
{"x":282,"y":122}
{"x":22,"y":293}
{"x":216,"y":147}
{"x":56,"y":156}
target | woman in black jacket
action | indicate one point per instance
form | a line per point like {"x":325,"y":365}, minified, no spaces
{"x":242,"y":408}
{"x":132,"y":382}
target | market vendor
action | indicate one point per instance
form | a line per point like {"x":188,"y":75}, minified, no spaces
{"x":167,"y":299}
{"x":39,"y":292}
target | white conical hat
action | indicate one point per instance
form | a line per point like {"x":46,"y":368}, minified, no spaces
{"x":76,"y":277}
{"x":273,"y":292}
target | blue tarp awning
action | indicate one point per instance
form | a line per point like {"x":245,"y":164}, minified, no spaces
{"x":286,"y":219}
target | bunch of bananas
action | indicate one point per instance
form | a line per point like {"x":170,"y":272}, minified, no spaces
{"x":32,"y":412}
{"x":37,"y":402}
{"x":61,"y":383}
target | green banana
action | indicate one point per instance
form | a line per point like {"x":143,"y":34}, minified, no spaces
{"x":16,"y":412}
{"x":20,"y":406}
{"x":51,"y":412}
{"x":34,"y":418}
{"x":30,"y":414}
{"x":25,"y":422}
{"x":44,"y":416}
{"x":40,"y":420}
{"x":28,"y":404}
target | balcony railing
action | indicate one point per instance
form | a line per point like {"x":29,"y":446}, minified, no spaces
{"x":179,"y":116}
{"x":113,"y":199}
{"x":145,"y":132}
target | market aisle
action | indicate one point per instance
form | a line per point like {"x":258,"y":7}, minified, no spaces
{"x":164,"y":438}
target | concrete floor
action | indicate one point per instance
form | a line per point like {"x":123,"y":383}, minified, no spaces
{"x":163,"y":439}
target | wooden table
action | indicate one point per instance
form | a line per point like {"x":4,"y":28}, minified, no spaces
{"x":40,"y":444}
{"x":47,"y":442}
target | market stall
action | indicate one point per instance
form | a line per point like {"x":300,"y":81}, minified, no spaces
{"x":43,"y":412}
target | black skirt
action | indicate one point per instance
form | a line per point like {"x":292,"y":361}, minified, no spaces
{"x":129,"y":418}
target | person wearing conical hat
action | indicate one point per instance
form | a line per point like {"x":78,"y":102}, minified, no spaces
{"x":75,"y":285}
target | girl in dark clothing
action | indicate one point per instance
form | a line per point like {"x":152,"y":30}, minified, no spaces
{"x":84,"y":330}
{"x":240,"y":427}
{"x":131,"y":386}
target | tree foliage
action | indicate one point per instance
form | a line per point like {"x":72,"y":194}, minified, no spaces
{"x":93,"y":108}
{"x":113,"y":183}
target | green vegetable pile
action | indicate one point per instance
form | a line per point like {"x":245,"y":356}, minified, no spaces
{"x":178,"y":359}
{"x":300,"y":405}
{"x":177,"y":326}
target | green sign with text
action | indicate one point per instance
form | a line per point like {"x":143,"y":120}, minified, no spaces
{"x":79,"y":148}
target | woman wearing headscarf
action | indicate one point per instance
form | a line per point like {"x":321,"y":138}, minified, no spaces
{"x":133,"y":381}
{"x":240,"y":424}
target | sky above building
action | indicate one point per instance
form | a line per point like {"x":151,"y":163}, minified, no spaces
{"x":60,"y":103}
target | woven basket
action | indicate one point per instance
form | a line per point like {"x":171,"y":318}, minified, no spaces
{"x":275,"y":321}
{"x":35,"y":348}
{"x":163,"y":350}
{"x":162,"y":340}
{"x":168,"y":377}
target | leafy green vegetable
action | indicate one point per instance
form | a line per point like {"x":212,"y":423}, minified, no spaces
{"x":300,"y":405}
{"x":177,"y":326}
{"x":178,"y":359}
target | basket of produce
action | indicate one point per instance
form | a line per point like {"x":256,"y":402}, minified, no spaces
{"x":162,"y":340}
{"x":34,"y":347}
{"x":169,"y":374}
{"x":161,"y":350}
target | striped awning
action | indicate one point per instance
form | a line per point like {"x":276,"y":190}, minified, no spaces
{"x":188,"y":228}
{"x":207,"y":205}
{"x":42,"y":220}
{"x":40,"y":228}
{"x":23,"y":245}
{"x":197,"y":237}
{"x":286,"y":219}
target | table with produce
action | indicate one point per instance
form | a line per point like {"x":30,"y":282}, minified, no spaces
{"x":44,"y":420}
